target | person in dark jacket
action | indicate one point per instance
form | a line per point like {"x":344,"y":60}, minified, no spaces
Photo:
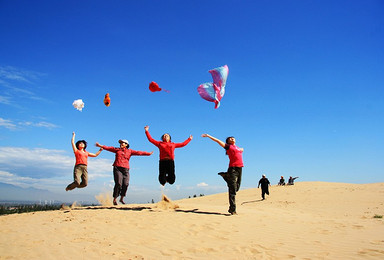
{"x":264,"y":183}
{"x":291,"y":180}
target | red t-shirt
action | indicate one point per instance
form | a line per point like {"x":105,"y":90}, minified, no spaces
{"x":81,"y":157}
{"x":167,"y":149}
{"x":235,"y":155}
{"x":122,"y":155}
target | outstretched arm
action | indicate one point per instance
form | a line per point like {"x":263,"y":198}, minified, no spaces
{"x":141,"y":153}
{"x":95,"y":154}
{"x":178,"y":145}
{"x":107,"y":148}
{"x":73,"y":142}
{"x":221,"y":143}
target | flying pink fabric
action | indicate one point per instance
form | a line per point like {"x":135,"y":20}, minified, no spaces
{"x":214,"y":92}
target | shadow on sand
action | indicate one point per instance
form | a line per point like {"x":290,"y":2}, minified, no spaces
{"x":140,"y":208}
{"x":252,"y":201}
{"x":201,"y":212}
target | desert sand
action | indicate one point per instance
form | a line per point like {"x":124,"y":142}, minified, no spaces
{"x":310,"y":220}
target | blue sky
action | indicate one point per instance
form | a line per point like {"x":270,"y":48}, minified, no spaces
{"x":304,"y":94}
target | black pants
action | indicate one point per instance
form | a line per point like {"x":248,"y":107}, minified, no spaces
{"x":233,"y":179}
{"x":121,"y":177}
{"x":167,"y":172}
{"x":264,"y":191}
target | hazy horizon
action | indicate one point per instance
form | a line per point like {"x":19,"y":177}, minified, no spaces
{"x":304,"y":94}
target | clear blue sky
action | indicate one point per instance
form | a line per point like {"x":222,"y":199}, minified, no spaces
{"x":304,"y":94}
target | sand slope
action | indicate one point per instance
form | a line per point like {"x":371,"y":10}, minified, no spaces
{"x":310,"y":220}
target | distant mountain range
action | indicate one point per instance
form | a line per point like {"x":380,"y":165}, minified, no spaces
{"x":14,"y":194}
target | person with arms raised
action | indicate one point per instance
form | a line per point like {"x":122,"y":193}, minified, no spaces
{"x":167,"y":156}
{"x":80,"y":172}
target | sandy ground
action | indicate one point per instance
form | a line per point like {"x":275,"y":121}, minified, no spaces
{"x":310,"y":220}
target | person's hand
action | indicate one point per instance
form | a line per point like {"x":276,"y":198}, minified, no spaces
{"x":151,"y":153}
{"x":191,"y":137}
{"x":205,"y":135}
{"x":73,"y":133}
{"x":98,"y":145}
{"x":146,"y":128}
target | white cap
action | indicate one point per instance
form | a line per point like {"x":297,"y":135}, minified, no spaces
{"x":123,"y":141}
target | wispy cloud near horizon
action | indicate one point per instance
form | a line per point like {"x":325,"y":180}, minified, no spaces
{"x":44,"y":168}
{"x":41,"y":162}
{"x":14,"y":125}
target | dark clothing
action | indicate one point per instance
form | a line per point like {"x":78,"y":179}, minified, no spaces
{"x":167,"y":172}
{"x":121,"y":177}
{"x":263,"y":192}
{"x":264,"y":182}
{"x":291,"y":180}
{"x":281,"y":182}
{"x":233,"y":179}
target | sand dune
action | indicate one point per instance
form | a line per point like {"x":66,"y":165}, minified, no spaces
{"x":310,"y":220}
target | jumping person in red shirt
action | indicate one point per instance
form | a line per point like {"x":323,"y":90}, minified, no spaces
{"x":167,"y":156}
{"x":80,"y":172}
{"x":121,"y":167}
{"x":233,"y":176}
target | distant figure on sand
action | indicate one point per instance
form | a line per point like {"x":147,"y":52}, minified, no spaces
{"x":281,"y":181}
{"x":264,"y":182}
{"x":291,"y":180}
{"x":167,"y":156}
{"x":233,"y":175}
{"x":121,"y":167}
{"x":80,"y":172}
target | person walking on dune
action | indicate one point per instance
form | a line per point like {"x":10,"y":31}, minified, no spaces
{"x":233,"y":175}
{"x":80,"y":172}
{"x":121,"y":167}
{"x":167,"y":156}
{"x":264,"y":182}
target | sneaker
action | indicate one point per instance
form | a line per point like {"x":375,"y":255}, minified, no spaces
{"x":232,"y":212}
